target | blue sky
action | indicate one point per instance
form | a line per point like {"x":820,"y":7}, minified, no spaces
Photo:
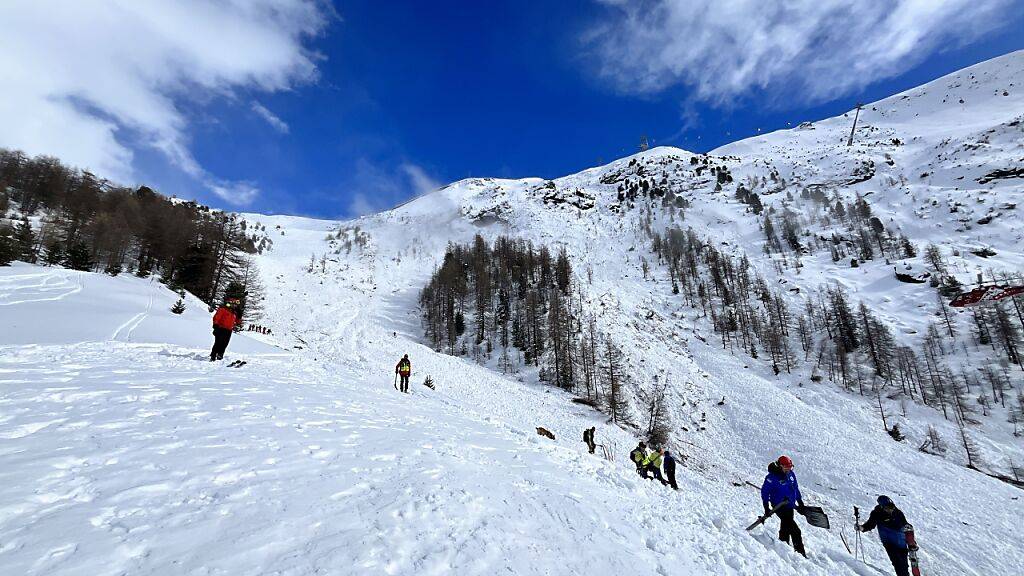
{"x":336,"y":109}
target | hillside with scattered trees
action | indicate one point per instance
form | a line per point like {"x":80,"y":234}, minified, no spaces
{"x":56,"y":215}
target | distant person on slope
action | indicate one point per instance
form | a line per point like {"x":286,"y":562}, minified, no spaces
{"x":638,"y":455}
{"x":588,"y":437}
{"x":224,"y":322}
{"x":892,"y":526}
{"x":404,"y":369}
{"x":670,"y":470}
{"x":652,"y":464}
{"x":780,"y":484}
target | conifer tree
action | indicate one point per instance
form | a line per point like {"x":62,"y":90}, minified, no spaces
{"x":8,"y":246}
{"x":179,"y":306}
{"x":54,"y":254}
{"x":657,"y":423}
{"x":79,"y":257}
{"x":25,"y":240}
{"x":614,"y":376}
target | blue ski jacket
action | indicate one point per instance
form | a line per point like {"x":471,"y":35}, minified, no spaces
{"x":890,"y":526}
{"x":779,"y":486}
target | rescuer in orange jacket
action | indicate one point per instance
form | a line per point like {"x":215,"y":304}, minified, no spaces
{"x":224,"y":322}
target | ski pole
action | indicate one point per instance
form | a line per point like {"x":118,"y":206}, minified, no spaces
{"x":857,"y":543}
{"x":396,"y":380}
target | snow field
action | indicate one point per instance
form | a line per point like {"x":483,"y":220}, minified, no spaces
{"x":40,"y":305}
{"x":139,"y":459}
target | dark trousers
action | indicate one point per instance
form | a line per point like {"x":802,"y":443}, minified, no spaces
{"x":789,"y":531}
{"x":671,"y":473}
{"x":221,"y":337}
{"x":654,"y":470}
{"x":591,"y":446}
{"x":898,"y":557}
{"x":403,"y":383}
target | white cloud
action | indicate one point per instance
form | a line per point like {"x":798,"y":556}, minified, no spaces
{"x":418,"y":178}
{"x":376,"y":188}
{"x":275,"y":122}
{"x":237,"y":193}
{"x":361,"y":205}
{"x":90,"y":81}
{"x":808,"y":50}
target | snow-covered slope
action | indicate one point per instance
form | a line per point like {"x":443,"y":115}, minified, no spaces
{"x":125,"y":458}
{"x":946,"y":158}
{"x":118,"y":456}
{"x":42,"y":305}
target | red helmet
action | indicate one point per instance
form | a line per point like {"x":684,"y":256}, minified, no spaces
{"x":785,"y":461}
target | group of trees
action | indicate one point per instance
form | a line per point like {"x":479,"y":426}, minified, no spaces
{"x":631,"y":190}
{"x":785,"y":226}
{"x":848,"y":341}
{"x":741,"y":307}
{"x":87,"y":223}
{"x":828,"y":333}
{"x":519,"y":301}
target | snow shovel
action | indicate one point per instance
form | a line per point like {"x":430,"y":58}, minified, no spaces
{"x":815,"y":516}
{"x":760,"y":520}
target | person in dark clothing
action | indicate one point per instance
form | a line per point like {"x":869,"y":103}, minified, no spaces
{"x":670,"y":470}
{"x":892,"y":526}
{"x":224,"y":321}
{"x":638,"y":455}
{"x":404,"y":370}
{"x":780,"y":484}
{"x":588,"y":437}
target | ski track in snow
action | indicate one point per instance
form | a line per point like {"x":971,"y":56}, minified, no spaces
{"x":48,"y":288}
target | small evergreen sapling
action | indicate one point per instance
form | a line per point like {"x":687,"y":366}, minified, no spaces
{"x":179,"y":306}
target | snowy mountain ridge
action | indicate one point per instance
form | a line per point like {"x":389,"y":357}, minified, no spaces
{"x":130,"y":456}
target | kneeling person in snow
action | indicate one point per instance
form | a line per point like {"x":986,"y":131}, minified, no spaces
{"x":780,"y":484}
{"x":892,"y":525}
{"x":652,"y":464}
{"x":404,"y":369}
{"x":224,"y":322}
{"x":638,"y":455}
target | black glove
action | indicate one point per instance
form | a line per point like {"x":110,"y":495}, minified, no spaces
{"x":766,"y":509}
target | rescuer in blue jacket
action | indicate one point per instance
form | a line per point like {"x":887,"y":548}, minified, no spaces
{"x":892,"y":526}
{"x":780,"y":484}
